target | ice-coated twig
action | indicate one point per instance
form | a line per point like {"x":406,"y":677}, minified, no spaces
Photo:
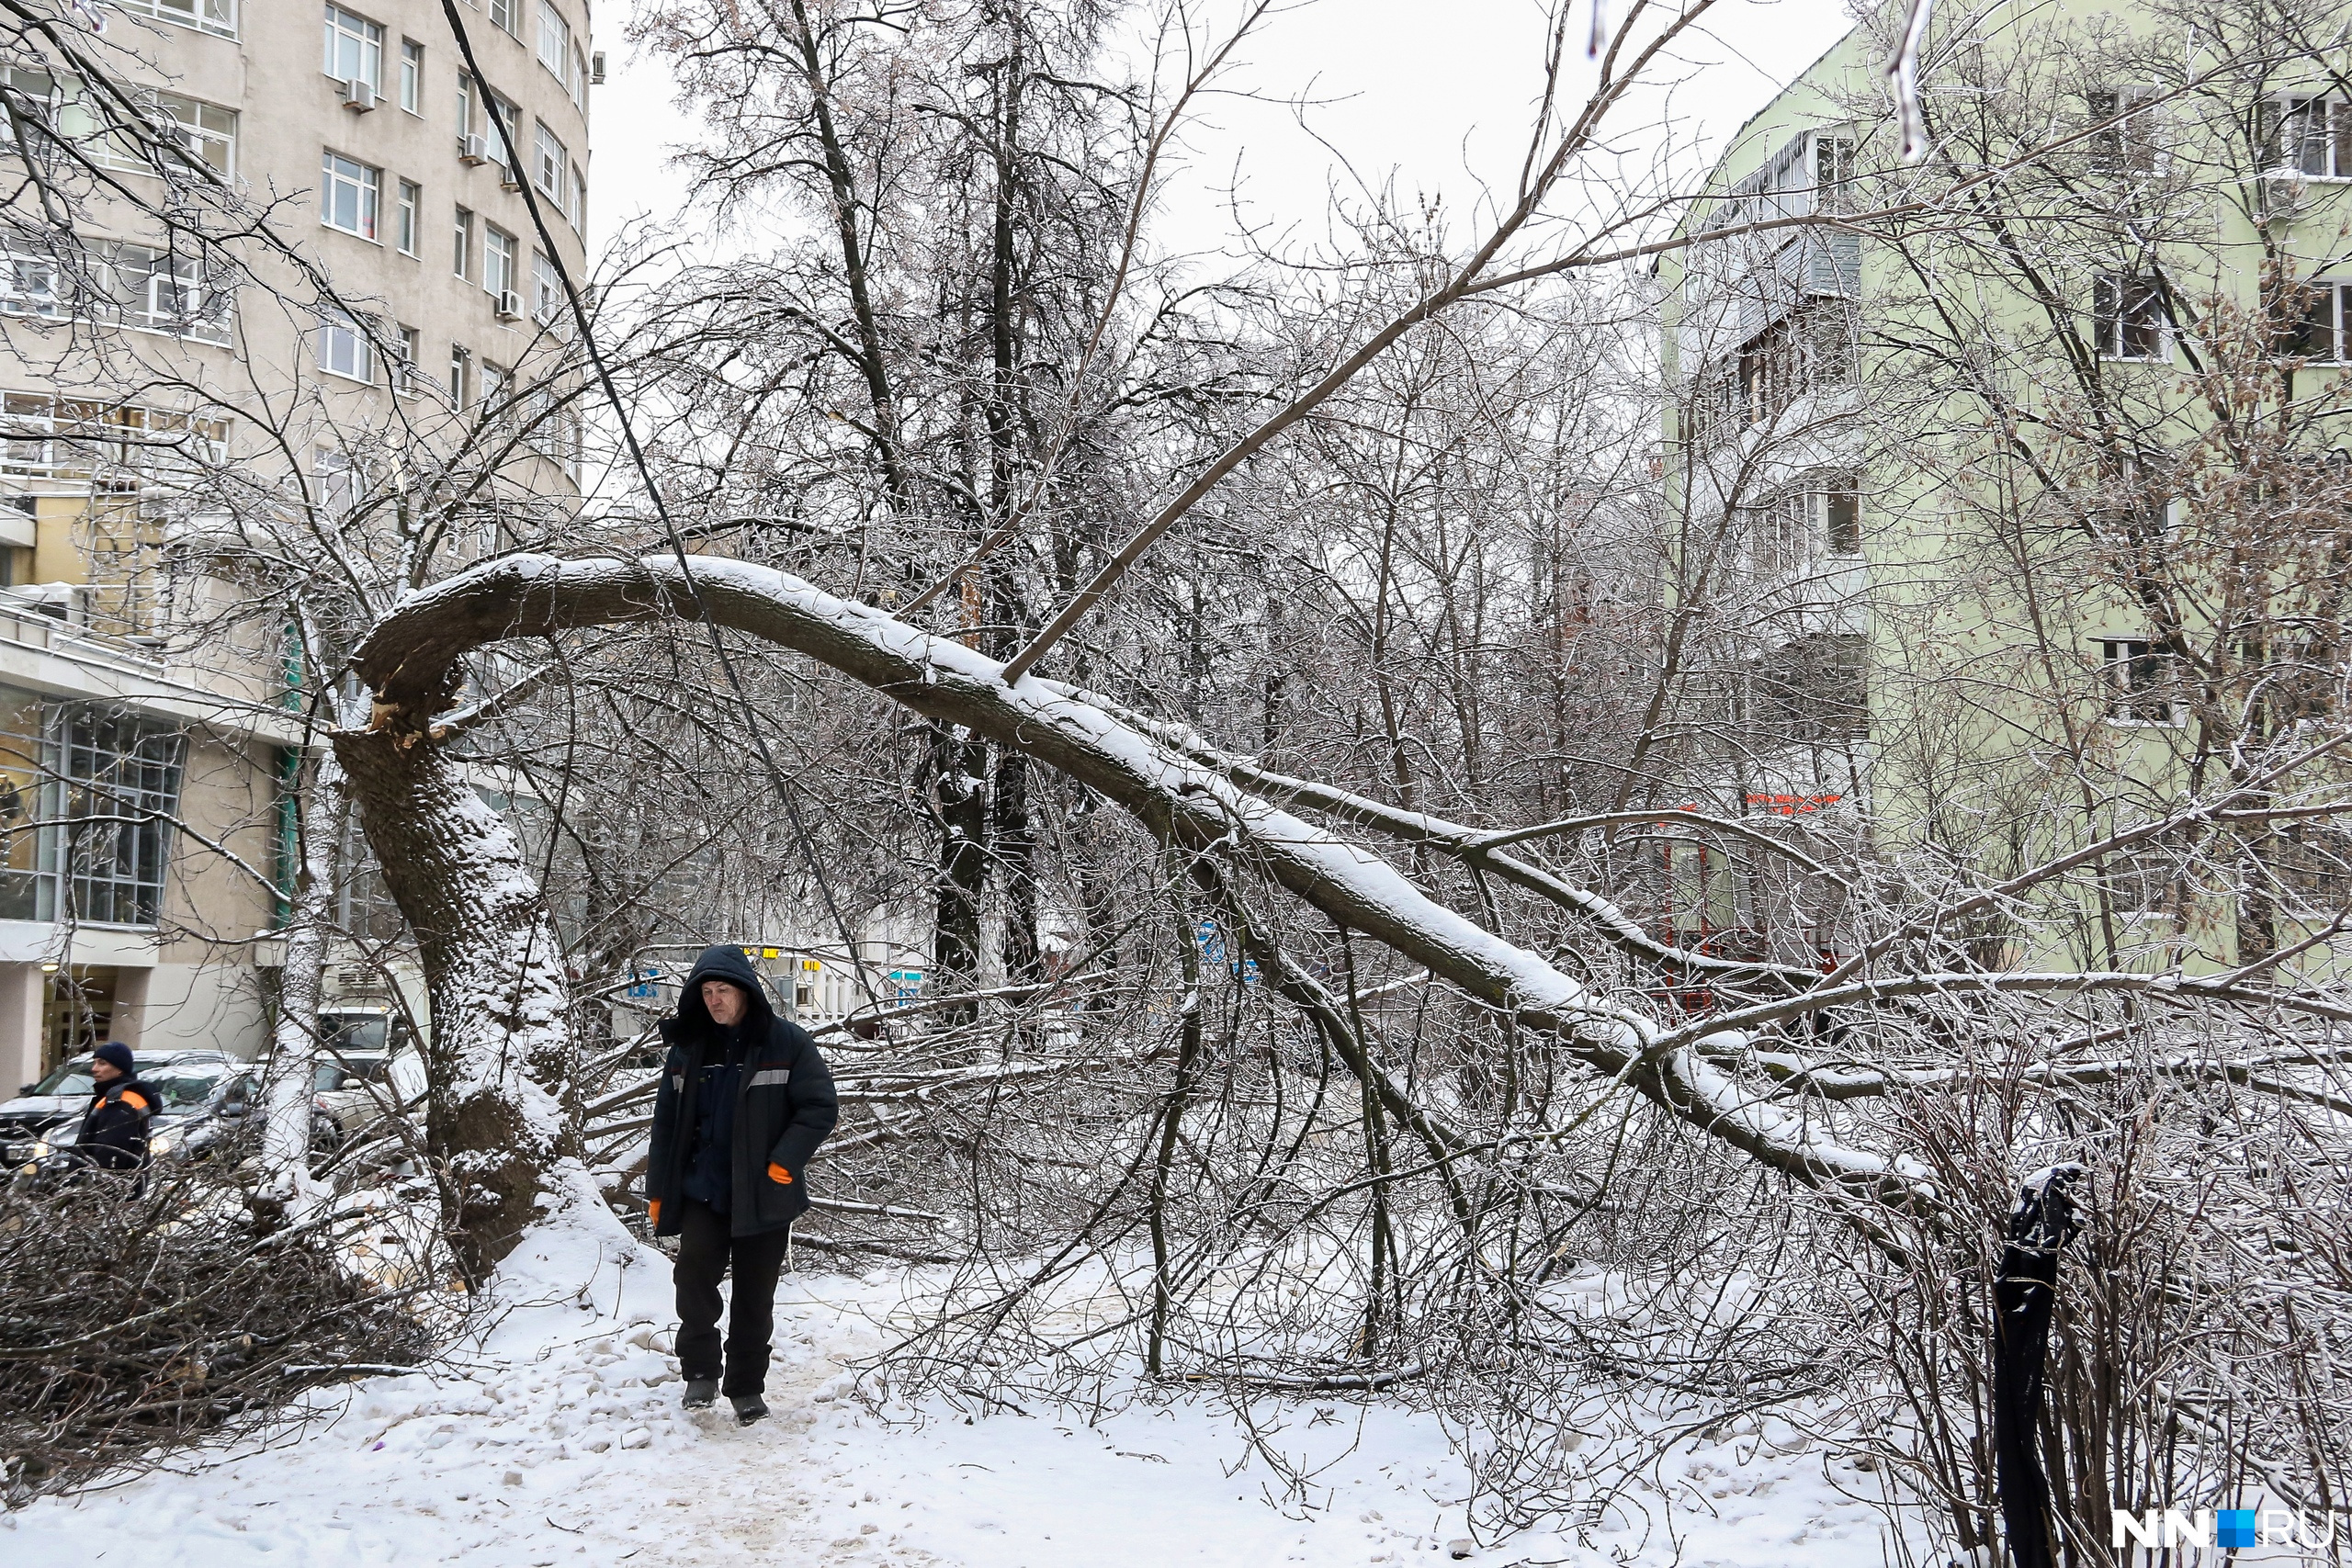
{"x":1903,"y":72}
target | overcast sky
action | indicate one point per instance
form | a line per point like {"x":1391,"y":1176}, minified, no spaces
{"x":1434,"y":96}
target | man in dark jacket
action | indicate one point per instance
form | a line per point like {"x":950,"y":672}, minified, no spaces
{"x":744,"y":1100}
{"x":114,"y":1130}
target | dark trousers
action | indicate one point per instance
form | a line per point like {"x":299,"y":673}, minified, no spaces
{"x":705,"y":1250}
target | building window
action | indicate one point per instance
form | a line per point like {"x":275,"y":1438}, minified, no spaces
{"x":347,"y":196}
{"x":579,"y":199}
{"x":503,"y":15}
{"x":460,"y":361}
{"x":205,"y":129}
{"x":2127,"y":315}
{"x":408,"y":346}
{"x":2139,"y":682}
{"x":462,"y":243}
{"x":579,"y":78}
{"x":404,"y":217}
{"x":116,"y":788}
{"x":2307,"y":136}
{"x":1790,"y":532}
{"x":2124,"y":139}
{"x":492,"y":396}
{"x":555,"y":41}
{"x":163,"y":291}
{"x":1833,"y":174}
{"x":28,"y":287}
{"x":550,"y":164}
{"x":2316,"y":322}
{"x":465,"y":110}
{"x":354,"y":48}
{"x":51,"y":439}
{"x":412,"y":76}
{"x":218,"y":18}
{"x":1809,"y":350}
{"x":1814,"y":689}
{"x":498,"y":261}
{"x":343,"y":346}
{"x":547,"y":292}
{"x":507,"y":126}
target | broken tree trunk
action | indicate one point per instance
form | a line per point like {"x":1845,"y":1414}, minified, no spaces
{"x":501,"y":1052}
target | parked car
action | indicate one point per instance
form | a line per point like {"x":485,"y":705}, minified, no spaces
{"x":357,"y":1092}
{"x":202,"y":1095}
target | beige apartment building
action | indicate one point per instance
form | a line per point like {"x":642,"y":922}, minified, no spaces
{"x":146,"y":821}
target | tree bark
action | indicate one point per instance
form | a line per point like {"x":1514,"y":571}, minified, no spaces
{"x":500,"y":1054}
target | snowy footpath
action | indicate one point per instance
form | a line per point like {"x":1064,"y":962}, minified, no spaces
{"x":556,"y":1439}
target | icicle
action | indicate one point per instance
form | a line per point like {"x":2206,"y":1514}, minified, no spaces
{"x":1599,"y":30}
{"x":1903,"y":69}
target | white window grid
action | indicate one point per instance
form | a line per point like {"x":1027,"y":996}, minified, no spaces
{"x":407,"y":217}
{"x":554,"y":39}
{"x":349,"y":190}
{"x":354,"y":48}
{"x":498,"y":261}
{"x":551,"y":165}
{"x":504,"y":15}
{"x":206,"y":130}
{"x":114,"y":785}
{"x":461,"y":242}
{"x":411,"y":76}
{"x":547,"y":291}
{"x":218,"y":18}
{"x":342,"y":349}
{"x":2307,"y":136}
{"x":45,"y":437}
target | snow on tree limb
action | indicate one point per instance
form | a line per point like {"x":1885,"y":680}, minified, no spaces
{"x":411,"y":661}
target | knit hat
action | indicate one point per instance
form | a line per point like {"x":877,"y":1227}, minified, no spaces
{"x":116,"y":1052}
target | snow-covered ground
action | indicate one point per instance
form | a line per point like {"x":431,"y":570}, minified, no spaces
{"x":556,"y":1439}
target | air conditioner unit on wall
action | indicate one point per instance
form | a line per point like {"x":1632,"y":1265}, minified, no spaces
{"x":510,"y":178}
{"x":473,"y":149}
{"x":509,"y":305}
{"x":596,"y":69}
{"x":358,"y":96}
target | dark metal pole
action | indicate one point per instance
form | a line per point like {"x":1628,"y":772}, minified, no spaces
{"x":2024,"y":1289}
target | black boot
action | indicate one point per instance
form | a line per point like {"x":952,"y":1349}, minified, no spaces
{"x":700,"y":1391}
{"x":749,"y":1407}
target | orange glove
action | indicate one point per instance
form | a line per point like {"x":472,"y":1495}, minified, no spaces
{"x":777,"y":1173}
{"x":653,"y":1212}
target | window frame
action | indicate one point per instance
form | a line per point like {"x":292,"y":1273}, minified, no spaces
{"x":549,"y":11}
{"x":2138,"y":681}
{"x":543,"y":138}
{"x":338,"y":327}
{"x":407,"y":216}
{"x":2114,"y":320}
{"x":413,"y":77}
{"x":2333,"y":138}
{"x":493,"y":251}
{"x":502,"y":16}
{"x":461,"y":236}
{"x":370,"y":194}
{"x":362,"y":41}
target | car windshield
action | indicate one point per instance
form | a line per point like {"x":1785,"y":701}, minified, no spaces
{"x":180,"y":1087}
{"x":183,"y":1087}
{"x":331,"y":1075}
{"x":73,"y":1078}
{"x":350,"y":1032}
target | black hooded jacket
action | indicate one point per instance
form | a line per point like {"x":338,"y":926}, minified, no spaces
{"x":784,"y":1105}
{"x":114,"y":1130}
